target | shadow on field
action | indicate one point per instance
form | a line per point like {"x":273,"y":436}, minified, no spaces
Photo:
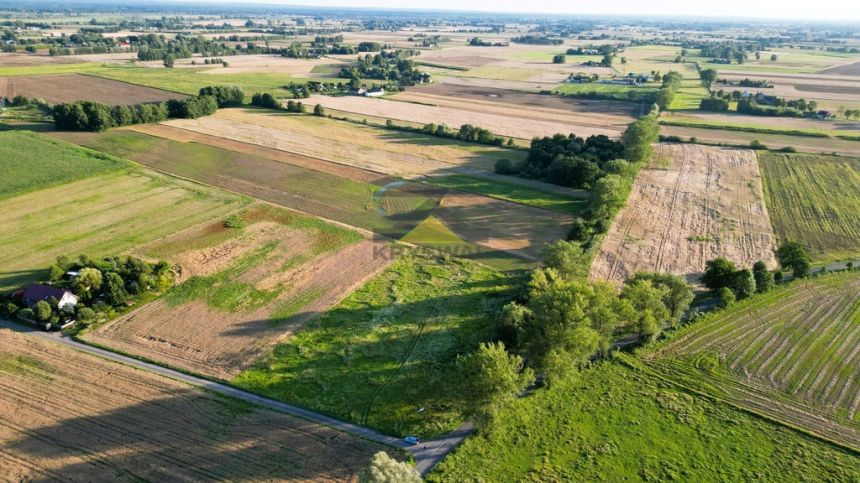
{"x":378,"y":363}
{"x":12,"y":279}
{"x":190,"y":436}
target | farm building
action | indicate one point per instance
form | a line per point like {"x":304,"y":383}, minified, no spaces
{"x":34,"y":293}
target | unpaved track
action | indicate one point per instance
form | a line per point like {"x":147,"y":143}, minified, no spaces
{"x":703,"y":203}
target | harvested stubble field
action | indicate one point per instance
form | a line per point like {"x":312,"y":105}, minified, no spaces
{"x":98,"y":216}
{"x":506,"y":123}
{"x":75,"y":87}
{"x":815,"y":200}
{"x":793,"y":354}
{"x":81,"y":418}
{"x":244,"y":290}
{"x":571,"y":114}
{"x":383,"y":151}
{"x":693,"y":204}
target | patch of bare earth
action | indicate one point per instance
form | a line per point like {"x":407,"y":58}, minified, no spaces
{"x":694,"y":203}
{"x":198,"y":337}
{"x":69,"y":416}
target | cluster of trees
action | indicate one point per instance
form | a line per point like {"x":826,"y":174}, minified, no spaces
{"x":22,"y":101}
{"x":557,"y":323}
{"x":731,"y":283}
{"x":559,"y":59}
{"x":713,"y":103}
{"x":94,"y":116}
{"x":476,"y":42}
{"x":303,"y":90}
{"x":851,"y":113}
{"x":268,"y":100}
{"x":393,"y":66}
{"x":587,"y":50}
{"x":101,"y":286}
{"x":537,"y":40}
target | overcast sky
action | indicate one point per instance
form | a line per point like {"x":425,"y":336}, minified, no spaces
{"x":797,"y":9}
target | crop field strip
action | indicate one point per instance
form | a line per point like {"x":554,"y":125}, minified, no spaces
{"x":799,"y":346}
{"x":59,"y":88}
{"x":815,"y":200}
{"x":692,"y":204}
{"x":392,"y":211}
{"x":105,"y":421}
{"x":101,"y":215}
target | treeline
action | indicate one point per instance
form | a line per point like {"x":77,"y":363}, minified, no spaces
{"x":747,"y":82}
{"x":94,"y":116}
{"x":671,"y":83}
{"x":537,"y":40}
{"x":268,"y":100}
{"x":467,"y":132}
{"x":477,"y":42}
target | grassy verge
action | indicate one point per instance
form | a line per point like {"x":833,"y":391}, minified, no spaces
{"x":382,"y":354}
{"x":614,"y":423}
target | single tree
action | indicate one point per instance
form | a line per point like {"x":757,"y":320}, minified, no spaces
{"x":719,"y":273}
{"x":567,"y":258}
{"x":489,"y":378}
{"x":763,"y":277}
{"x":744,"y":284}
{"x":726,"y":297}
{"x":115,"y":292}
{"x":169,"y":61}
{"x":559,"y":59}
{"x":43,"y":310}
{"x":318,"y":110}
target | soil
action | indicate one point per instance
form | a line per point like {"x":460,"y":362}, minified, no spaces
{"x":74,"y":417}
{"x":76,"y":87}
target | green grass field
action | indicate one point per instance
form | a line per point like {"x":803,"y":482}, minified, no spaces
{"x":753,"y":128}
{"x":794,"y":347}
{"x":689,"y":95}
{"x":382,"y":354}
{"x":31,"y":161}
{"x":98,"y":216}
{"x":512,"y":192}
{"x":613,"y":423}
{"x":814,"y":199}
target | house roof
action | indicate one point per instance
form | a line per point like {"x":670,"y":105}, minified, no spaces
{"x":36,"y":292}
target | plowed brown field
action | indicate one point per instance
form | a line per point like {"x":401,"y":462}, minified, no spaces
{"x":75,"y":87}
{"x":69,"y":416}
{"x":694,"y":203}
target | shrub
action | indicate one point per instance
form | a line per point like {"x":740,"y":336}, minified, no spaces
{"x":504,"y":166}
{"x":234,"y":221}
{"x":726,"y":297}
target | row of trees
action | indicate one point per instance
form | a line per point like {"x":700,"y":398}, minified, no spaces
{"x":731,"y":283}
{"x":94,"y":116}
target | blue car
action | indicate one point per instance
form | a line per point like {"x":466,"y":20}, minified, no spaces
{"x":411,"y":439}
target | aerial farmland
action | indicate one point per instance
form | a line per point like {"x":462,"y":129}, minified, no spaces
{"x":283,"y":243}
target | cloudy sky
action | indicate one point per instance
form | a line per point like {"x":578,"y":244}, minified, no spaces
{"x":844,"y":10}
